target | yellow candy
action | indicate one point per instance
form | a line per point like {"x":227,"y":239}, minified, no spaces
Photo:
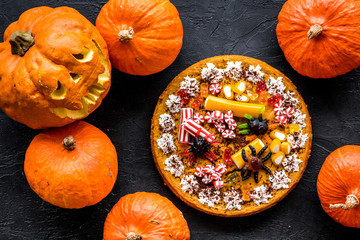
{"x":240,"y":87}
{"x":275,"y":146}
{"x":242,"y":98}
{"x":292,"y":128}
{"x":277,"y":158}
{"x":286,"y":147}
{"x":276,"y":134}
{"x":239,"y":109}
{"x":228,"y":92}
{"x":237,"y":157}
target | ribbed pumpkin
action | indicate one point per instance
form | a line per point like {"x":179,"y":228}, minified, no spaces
{"x":143,"y":36}
{"x":72,"y":166}
{"x":320,"y":38}
{"x":145,"y":215}
{"x":338,"y":185}
{"x":54,"y":68}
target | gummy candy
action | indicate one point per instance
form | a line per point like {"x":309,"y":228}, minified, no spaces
{"x":185,"y":97}
{"x":197,"y":102}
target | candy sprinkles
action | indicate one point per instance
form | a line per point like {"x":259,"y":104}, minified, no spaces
{"x":233,"y":136}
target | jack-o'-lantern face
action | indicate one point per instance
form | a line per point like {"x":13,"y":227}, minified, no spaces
{"x":55,"y":68}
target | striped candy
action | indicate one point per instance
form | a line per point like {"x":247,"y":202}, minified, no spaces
{"x":215,"y":88}
{"x":216,"y":176}
{"x":209,"y":169}
{"x":217,"y":116}
{"x":229,"y":116}
{"x":199,"y":172}
{"x":218,"y":184}
{"x":184,"y":136}
{"x":220,"y":126}
{"x":231,"y":124}
{"x":228,"y":134}
{"x":198,"y":118}
{"x":221,"y":168}
{"x":198,"y":131}
{"x":207,"y":179}
{"x":208,"y":117}
{"x":281,"y":119}
{"x":289,"y":112}
{"x":278,"y":108}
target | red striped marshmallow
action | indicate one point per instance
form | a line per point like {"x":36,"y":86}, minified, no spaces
{"x":186,"y":114}
{"x":197,"y":131}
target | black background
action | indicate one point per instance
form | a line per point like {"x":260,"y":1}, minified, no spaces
{"x":211,"y":27}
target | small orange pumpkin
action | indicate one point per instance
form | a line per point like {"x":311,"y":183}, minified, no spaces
{"x":320,"y":38}
{"x":338,"y":185}
{"x":54,"y":68}
{"x":143,"y":36}
{"x":145,"y":215}
{"x":72,"y":166}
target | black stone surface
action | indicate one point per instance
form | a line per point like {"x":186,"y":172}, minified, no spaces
{"x":211,"y":28}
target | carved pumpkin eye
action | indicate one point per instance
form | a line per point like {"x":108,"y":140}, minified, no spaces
{"x":60,"y":91}
{"x":85,"y":55}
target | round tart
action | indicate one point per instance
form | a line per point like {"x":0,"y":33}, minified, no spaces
{"x":231,"y":136}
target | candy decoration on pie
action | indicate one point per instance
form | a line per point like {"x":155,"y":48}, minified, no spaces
{"x":198,"y":118}
{"x":248,"y":152}
{"x":228,"y":134}
{"x":184,"y":136}
{"x":215,"y":88}
{"x":208,"y":117}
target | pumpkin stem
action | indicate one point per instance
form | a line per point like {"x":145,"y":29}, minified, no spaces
{"x":133,"y":236}
{"x":69,"y":143}
{"x":351,"y":202}
{"x":21,"y":42}
{"x":126,"y":35}
{"x":315,"y":30}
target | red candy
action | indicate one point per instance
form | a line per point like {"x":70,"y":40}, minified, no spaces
{"x":184,"y":136}
{"x":278,"y":108}
{"x":221,"y":168}
{"x":199,"y":172}
{"x":197,"y":102}
{"x":281,"y":119}
{"x":227,"y":156}
{"x":289,"y":112}
{"x":208,"y":117}
{"x":207,"y":179}
{"x":229,"y":116}
{"x":197,"y":130}
{"x":198,"y":118}
{"x":209,"y":169}
{"x":260,"y":86}
{"x":274,"y":99}
{"x":216,"y":176}
{"x":228,"y":134}
{"x":217,"y":116}
{"x":218,"y":184}
{"x":220,"y":126}
{"x":185,"y":97}
{"x":215,"y":88}
{"x":232,"y":124}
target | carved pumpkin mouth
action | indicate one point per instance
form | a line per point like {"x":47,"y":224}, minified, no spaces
{"x":95,"y":90}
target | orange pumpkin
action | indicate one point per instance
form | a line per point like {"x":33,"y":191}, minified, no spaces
{"x":143,"y":36}
{"x":145,"y":215}
{"x":72,"y":166}
{"x":320,"y":38}
{"x":338,"y":185}
{"x":54,"y":68}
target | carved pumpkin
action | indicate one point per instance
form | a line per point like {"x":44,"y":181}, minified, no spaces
{"x":54,"y":68}
{"x":143,"y":36}
{"x":320,"y":38}
{"x":338,"y":185}
{"x":145,"y":215}
{"x":72,"y":166}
